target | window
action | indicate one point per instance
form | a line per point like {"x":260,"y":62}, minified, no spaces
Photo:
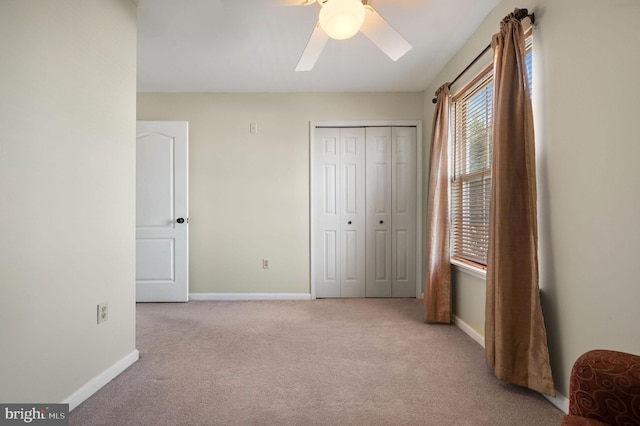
{"x":471,"y":113}
{"x":471,"y":184}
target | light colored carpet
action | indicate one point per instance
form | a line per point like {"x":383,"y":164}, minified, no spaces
{"x":322,"y":362}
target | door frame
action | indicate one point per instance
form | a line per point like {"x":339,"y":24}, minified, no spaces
{"x":383,"y":123}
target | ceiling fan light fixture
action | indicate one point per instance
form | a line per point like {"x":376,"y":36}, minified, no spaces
{"x":342,"y":19}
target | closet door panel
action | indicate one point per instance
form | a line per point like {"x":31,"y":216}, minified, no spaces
{"x":353,"y":212}
{"x":378,"y":212}
{"x":327,"y":206}
{"x":403,"y":206}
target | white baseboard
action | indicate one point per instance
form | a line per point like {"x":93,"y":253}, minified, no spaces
{"x":249,"y":296}
{"x":95,"y":384}
{"x":560,"y":401}
{"x":468,"y":330}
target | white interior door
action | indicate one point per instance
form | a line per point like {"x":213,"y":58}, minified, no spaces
{"x":162,"y":215}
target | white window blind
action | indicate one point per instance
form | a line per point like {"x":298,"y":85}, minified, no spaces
{"x":471,"y":184}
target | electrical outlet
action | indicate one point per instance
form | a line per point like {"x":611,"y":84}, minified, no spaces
{"x":103,"y":312}
{"x":265,"y":264}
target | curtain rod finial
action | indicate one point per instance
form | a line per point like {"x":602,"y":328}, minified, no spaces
{"x":520,"y":14}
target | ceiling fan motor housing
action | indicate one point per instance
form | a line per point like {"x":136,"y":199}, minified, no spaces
{"x":341,"y":19}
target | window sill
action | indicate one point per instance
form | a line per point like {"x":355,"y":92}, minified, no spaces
{"x":464,"y":267}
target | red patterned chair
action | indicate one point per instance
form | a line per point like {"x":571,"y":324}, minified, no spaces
{"x":604,"y":389}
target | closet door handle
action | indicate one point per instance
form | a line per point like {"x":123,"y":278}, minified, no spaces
{"x":349,"y":223}
{"x":381,"y":222}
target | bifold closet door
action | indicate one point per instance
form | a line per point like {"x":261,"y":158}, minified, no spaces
{"x":391,"y":211}
{"x":339,"y":212}
{"x":364,"y":212}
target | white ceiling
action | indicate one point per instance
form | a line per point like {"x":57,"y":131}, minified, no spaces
{"x":254,"y":46}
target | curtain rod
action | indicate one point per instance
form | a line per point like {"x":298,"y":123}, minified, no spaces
{"x":520,"y":15}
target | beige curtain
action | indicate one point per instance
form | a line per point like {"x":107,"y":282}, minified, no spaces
{"x":438,"y":292}
{"x":515,"y":335}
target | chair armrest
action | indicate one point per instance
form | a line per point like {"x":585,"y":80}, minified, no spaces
{"x":605,"y":386}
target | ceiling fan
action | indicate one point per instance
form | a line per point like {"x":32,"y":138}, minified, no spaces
{"x":342,"y":19}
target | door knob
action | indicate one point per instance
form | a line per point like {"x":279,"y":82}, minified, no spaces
{"x":349,"y":223}
{"x":381,"y":222}
{"x":180,"y":220}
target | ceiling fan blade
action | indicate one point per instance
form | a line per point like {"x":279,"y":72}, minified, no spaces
{"x":266,"y":3}
{"x":383,"y":35}
{"x":313,"y":49}
{"x":296,"y":2}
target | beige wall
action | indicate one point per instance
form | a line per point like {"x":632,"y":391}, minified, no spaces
{"x":468,"y":297}
{"x":249,"y":193}
{"x":586,"y":91}
{"x":67,"y":179}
